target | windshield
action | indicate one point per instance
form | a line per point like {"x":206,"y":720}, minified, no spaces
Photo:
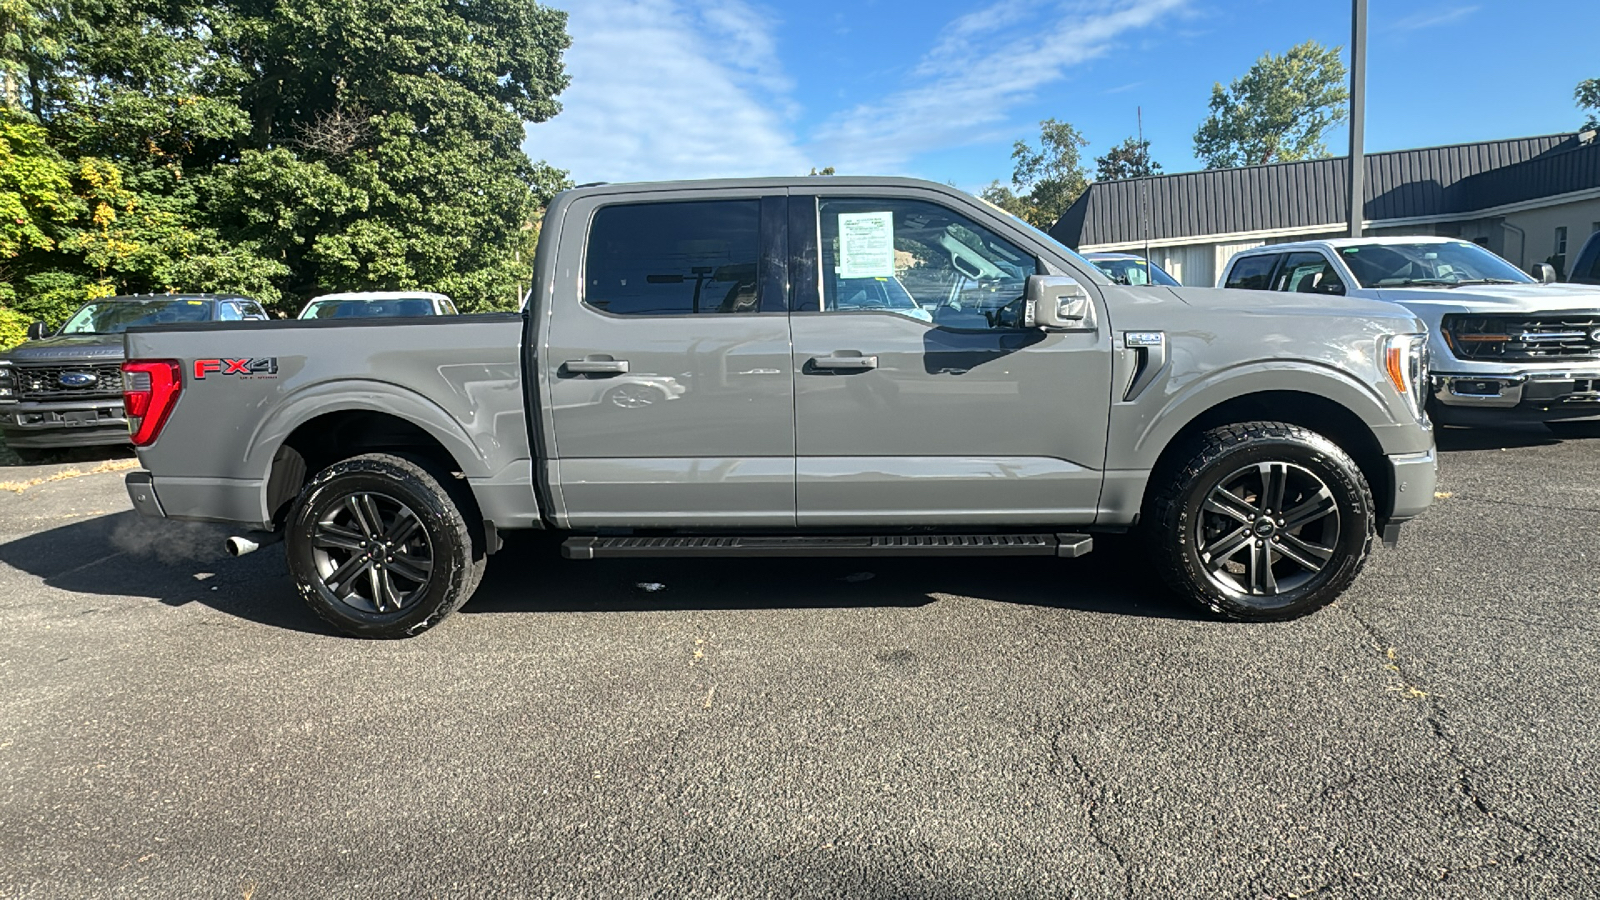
{"x":1431,"y":264}
{"x":1134,"y":271}
{"x":353,"y":309}
{"x":115,"y":316}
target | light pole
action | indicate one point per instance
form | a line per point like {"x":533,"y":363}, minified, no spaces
{"x":1358,"y":114}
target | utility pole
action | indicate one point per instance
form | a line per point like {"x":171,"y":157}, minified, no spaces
{"x":1358,"y":115}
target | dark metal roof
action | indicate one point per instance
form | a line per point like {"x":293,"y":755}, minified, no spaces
{"x":1400,"y":184}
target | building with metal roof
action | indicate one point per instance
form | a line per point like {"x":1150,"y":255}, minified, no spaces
{"x":1531,"y":200}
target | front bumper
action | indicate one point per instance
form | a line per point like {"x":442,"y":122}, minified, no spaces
{"x":64,"y":424}
{"x":1415,"y":475}
{"x":1515,"y":396}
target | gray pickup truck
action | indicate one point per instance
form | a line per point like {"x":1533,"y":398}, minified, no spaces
{"x":732,"y":368}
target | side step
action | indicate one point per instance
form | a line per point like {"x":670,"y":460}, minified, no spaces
{"x":1064,"y":545}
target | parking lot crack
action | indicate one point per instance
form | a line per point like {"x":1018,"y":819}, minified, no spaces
{"x":1436,"y":718}
{"x":1065,"y":761}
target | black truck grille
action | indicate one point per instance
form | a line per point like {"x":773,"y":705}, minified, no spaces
{"x":68,"y":382}
{"x":1549,"y":337}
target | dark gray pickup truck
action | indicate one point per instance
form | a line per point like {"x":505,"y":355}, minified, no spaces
{"x":841,"y":367}
{"x":65,"y":389}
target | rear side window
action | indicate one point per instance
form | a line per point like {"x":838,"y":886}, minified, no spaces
{"x":1252,"y":273}
{"x":674,"y":259}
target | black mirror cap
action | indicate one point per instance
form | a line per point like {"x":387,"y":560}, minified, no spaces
{"x":38,"y":330}
{"x":1545,"y":272}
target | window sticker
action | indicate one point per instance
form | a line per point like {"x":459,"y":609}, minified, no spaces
{"x":866,"y":245}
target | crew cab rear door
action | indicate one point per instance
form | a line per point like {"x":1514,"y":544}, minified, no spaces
{"x":953,"y":412}
{"x":666,"y":371}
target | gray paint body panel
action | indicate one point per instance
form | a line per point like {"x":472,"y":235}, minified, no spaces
{"x":995,"y":428}
{"x":454,"y":377}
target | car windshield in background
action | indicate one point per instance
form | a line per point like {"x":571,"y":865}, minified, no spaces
{"x":357,"y":309}
{"x":1428,"y":265}
{"x":1134,"y":271}
{"x":117,"y":316}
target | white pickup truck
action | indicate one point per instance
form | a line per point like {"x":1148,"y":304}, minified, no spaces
{"x":1505,"y":347}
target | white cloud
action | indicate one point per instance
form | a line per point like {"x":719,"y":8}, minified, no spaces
{"x":982,"y":65}
{"x":667,"y":89}
{"x":1433,"y":18}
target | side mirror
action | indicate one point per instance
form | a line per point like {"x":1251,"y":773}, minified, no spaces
{"x":1333,"y":288}
{"x":1545,"y":272}
{"x":1057,"y":301}
{"x":38,"y":330}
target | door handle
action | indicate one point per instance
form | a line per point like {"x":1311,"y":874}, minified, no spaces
{"x":594,"y":366}
{"x":845,"y":363}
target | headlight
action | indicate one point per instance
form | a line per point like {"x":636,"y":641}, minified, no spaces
{"x":8,"y":384}
{"x":1404,"y":358}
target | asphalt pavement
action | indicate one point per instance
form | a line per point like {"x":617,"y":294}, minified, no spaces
{"x":173,"y":723}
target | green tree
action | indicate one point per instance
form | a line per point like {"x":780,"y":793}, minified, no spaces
{"x":276,"y":148}
{"x":1129,"y":159}
{"x":1587,"y":94}
{"x":1046,"y":179}
{"x":1278,"y":111}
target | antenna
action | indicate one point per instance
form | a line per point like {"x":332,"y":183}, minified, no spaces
{"x":1144,"y":197}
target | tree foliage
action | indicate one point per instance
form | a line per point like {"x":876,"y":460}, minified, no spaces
{"x":1278,"y":111}
{"x":1045,"y":179}
{"x":1587,"y":94}
{"x":276,"y":148}
{"x":1129,"y":159}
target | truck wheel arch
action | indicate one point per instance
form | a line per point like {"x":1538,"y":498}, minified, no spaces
{"x":312,"y":432}
{"x":1313,"y":411}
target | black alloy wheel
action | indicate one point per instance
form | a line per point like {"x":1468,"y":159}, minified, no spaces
{"x":379,"y":547}
{"x":1260,"y":521}
{"x":1266,"y":530}
{"x":372,"y":553}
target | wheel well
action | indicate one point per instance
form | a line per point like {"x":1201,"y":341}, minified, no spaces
{"x":1326,"y":417}
{"x":320,"y":442}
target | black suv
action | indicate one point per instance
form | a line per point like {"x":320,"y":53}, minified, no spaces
{"x":65,"y":390}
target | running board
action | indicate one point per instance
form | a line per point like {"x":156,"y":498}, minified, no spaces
{"x":1064,"y":545}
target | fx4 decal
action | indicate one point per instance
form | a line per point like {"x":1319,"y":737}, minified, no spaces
{"x":244,"y":368}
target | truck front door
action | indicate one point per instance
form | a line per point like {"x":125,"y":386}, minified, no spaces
{"x":666,"y":373}
{"x":945,"y":409}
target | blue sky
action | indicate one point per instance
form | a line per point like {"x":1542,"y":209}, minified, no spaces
{"x":940,"y":89}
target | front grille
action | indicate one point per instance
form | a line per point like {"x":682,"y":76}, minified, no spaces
{"x":44,"y":382}
{"x":1519,"y":337}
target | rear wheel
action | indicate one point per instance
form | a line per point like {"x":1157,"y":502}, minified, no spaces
{"x":379,"y":549}
{"x":1261,"y":521}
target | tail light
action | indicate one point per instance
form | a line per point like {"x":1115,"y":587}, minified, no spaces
{"x":149,"y":391}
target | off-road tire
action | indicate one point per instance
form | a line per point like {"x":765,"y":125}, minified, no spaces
{"x":1176,"y":519}
{"x":397,"y":482}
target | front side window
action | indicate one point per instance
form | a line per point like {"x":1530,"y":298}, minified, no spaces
{"x":674,"y":259}
{"x":922,"y":261}
{"x":1252,"y":273}
{"x":1308,"y":273}
{"x":1437,"y":263}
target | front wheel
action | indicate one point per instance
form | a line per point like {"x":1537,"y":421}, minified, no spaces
{"x":1261,"y":521}
{"x":379,"y":549}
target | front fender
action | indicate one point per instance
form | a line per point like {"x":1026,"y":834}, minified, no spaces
{"x":1142,"y":430}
